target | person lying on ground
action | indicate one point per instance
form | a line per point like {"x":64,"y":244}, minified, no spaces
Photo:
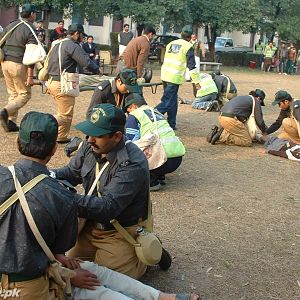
{"x":100,"y":283}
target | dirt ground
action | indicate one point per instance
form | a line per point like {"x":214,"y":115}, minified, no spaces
{"x":229,"y":215}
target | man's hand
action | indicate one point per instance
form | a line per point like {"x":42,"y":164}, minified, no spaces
{"x":68,"y":262}
{"x":197,"y":85}
{"x":29,"y":81}
{"x":85,"y":280}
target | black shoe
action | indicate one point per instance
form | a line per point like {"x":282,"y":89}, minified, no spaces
{"x":155,"y":186}
{"x":12,"y":126}
{"x":216,"y":137}
{"x":4,"y":119}
{"x":214,"y":130}
{"x":72,"y":145}
{"x":165,"y":261}
{"x":162,"y":180}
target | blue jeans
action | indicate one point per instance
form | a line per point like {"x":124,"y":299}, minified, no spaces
{"x":169,"y":102}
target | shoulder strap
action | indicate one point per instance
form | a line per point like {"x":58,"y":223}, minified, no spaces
{"x":124,"y":233}
{"x":29,"y":217}
{"x":33,"y":32}
{"x":97,"y":177}
{"x":26,"y":188}
{"x":9,"y":32}
{"x":59,"y":53}
{"x":253,"y":106}
{"x":228,"y":85}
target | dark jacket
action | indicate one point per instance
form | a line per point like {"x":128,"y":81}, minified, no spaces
{"x":277,"y":124}
{"x":15,"y":44}
{"x":106,"y":92}
{"x":124,"y":184}
{"x":90,"y":50}
{"x":72,"y":55}
{"x":56,"y":33}
{"x":241,"y":107}
{"x":222,"y":82}
{"x":54,"y":211}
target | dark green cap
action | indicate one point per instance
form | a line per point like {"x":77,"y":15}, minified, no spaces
{"x":76,"y":27}
{"x":260,"y":93}
{"x":38,"y":122}
{"x":281,"y":96}
{"x":129,"y":77}
{"x":28,"y":7}
{"x":133,"y":98}
{"x":105,"y":118}
{"x":187,"y":29}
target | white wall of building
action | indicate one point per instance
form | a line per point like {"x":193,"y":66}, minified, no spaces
{"x":101,"y":34}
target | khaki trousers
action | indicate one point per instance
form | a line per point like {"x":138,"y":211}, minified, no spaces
{"x":108,"y":249}
{"x":15,"y":76}
{"x":290,"y":130}
{"x":65,"y":109}
{"x":235,"y":132}
{"x":35,"y":289}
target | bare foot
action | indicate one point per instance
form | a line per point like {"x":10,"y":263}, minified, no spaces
{"x":163,"y":296}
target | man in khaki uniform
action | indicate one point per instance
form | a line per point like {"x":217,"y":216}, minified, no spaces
{"x":72,"y":55}
{"x":233,"y":117}
{"x":123,"y":185}
{"x":18,"y":77}
{"x":291,"y":122}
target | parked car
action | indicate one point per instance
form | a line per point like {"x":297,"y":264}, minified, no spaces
{"x":223,"y":44}
{"x":160,"y":42}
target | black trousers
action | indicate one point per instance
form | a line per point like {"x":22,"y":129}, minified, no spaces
{"x":169,"y":166}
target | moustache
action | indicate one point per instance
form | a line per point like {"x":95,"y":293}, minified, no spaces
{"x":94,"y":145}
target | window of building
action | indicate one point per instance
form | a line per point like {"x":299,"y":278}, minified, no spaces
{"x":97,"y":21}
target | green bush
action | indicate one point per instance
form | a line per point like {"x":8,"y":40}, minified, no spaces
{"x":103,"y":47}
{"x":237,"y":58}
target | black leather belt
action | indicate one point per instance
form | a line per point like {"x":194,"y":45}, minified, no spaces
{"x":19,"y":278}
{"x":55,"y":77}
{"x":224,"y":114}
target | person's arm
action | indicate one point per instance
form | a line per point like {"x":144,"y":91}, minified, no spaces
{"x":98,"y":97}
{"x":83,"y":60}
{"x":142,"y":58}
{"x":276,"y":125}
{"x":117,"y":195}
{"x":191,"y":65}
{"x":72,"y":171}
{"x":132,"y":128}
{"x":258,"y":115}
{"x":96,"y":50}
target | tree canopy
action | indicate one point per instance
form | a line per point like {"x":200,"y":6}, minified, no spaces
{"x":265,"y":16}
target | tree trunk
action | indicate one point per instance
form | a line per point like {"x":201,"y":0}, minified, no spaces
{"x":140,"y":28}
{"x":211,"y":34}
{"x":46,"y":25}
